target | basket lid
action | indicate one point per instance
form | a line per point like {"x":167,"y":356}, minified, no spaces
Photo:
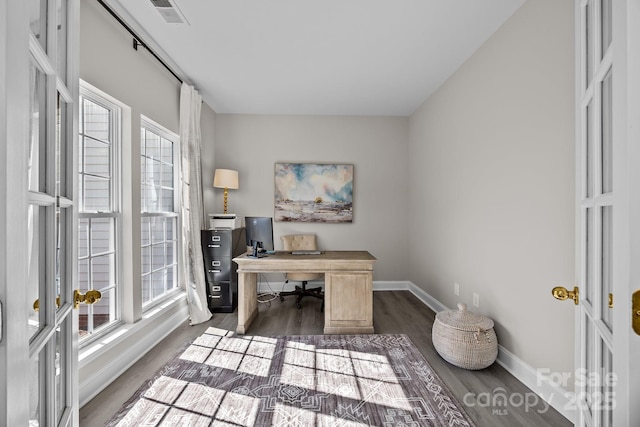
{"x":464,"y":320}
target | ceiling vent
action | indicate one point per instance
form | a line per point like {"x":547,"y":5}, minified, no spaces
{"x":169,"y":11}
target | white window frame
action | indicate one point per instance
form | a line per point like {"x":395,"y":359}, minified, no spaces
{"x":120,"y":113}
{"x":152,"y":126}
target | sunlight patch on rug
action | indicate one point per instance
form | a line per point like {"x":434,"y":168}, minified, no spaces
{"x":323,"y":380}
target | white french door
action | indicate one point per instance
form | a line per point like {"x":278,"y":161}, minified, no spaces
{"x":608,"y":212}
{"x":39,"y":127}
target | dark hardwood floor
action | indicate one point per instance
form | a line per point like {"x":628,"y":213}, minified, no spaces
{"x":397,"y":312}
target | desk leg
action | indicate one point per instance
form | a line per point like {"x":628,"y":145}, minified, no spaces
{"x":247,"y":300}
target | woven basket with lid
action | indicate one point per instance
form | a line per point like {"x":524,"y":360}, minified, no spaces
{"x":464,"y":338}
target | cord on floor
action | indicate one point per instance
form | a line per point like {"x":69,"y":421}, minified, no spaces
{"x":267,"y":297}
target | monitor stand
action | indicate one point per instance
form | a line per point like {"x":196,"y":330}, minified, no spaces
{"x":255,"y":253}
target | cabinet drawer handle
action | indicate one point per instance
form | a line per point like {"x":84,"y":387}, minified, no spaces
{"x":215,"y":296}
{"x":214,"y":246}
{"x":214,"y":271}
{"x":215,"y":238}
{"x":215,"y":263}
{"x":216,"y":289}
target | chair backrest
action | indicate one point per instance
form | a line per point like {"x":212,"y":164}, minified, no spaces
{"x":299,"y":242}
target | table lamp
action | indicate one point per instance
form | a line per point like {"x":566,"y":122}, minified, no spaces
{"x":225,"y":178}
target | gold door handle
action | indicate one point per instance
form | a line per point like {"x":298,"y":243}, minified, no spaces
{"x":36,"y":303}
{"x":635,"y":312}
{"x":91,"y":297}
{"x":561,"y":293}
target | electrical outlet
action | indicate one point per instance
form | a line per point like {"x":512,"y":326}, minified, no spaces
{"x":476,"y":300}
{"x":456,"y":289}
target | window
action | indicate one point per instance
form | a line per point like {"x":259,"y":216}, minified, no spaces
{"x":99,"y":216}
{"x":159,"y":219}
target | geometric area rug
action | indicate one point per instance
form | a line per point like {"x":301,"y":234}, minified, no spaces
{"x":221,"y":379}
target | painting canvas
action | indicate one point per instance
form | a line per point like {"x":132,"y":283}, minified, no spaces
{"x":309,"y":192}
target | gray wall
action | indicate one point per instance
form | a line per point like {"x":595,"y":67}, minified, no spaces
{"x":109,"y":62}
{"x":208,"y":119}
{"x":376,"y":146}
{"x":491,"y":163}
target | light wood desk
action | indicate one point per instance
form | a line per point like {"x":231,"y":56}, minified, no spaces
{"x":348,"y":289}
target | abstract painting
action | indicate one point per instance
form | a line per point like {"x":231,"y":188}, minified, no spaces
{"x":311,"y":192}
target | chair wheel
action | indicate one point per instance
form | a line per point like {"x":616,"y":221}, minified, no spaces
{"x":298,"y":305}
{"x":281,"y":299}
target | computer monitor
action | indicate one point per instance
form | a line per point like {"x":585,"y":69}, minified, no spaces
{"x":259,"y":231}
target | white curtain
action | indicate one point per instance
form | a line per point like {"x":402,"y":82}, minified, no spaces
{"x":192,"y":271}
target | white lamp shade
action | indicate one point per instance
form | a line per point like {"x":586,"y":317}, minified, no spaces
{"x":225,"y":178}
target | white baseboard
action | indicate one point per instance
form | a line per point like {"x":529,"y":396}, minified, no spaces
{"x":557,"y":397}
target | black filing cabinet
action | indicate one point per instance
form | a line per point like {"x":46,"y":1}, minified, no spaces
{"x":219,"y":247}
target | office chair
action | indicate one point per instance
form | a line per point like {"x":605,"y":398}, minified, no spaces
{"x":301,"y":242}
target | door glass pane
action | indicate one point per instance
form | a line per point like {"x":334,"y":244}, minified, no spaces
{"x":38,"y":20}
{"x":607,"y":136}
{"x":589,"y":246}
{"x":60,"y":371}
{"x":606,"y":269}
{"x":61,"y":247}
{"x":61,"y":16}
{"x":35,"y":383}
{"x":37,"y":147}
{"x":589,"y":152}
{"x":62,"y":136}
{"x":606,"y":25}
{"x":589,"y":365}
{"x":588,"y":37}
{"x":59,"y":167}
{"x":608,"y":381}
{"x":36,"y":264}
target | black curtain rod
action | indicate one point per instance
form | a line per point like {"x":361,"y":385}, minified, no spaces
{"x":137,"y":41}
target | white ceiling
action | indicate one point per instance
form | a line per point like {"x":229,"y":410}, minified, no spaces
{"x":332,"y":57}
